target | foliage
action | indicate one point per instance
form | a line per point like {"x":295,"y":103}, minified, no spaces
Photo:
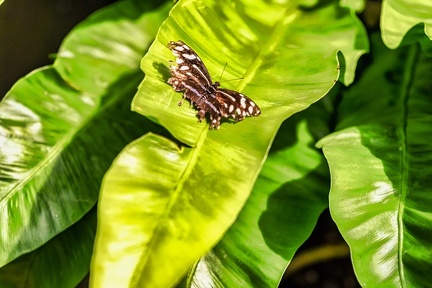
{"x":188,"y":206}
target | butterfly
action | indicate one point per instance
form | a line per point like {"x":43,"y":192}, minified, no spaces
{"x":191,"y":76}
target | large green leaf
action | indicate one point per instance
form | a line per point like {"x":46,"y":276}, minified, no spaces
{"x":134,"y":210}
{"x":37,"y":117}
{"x":284,"y":51}
{"x":399,"y":16}
{"x":42,"y":267}
{"x":191,"y":195}
{"x":108,"y":44}
{"x":56,"y":141}
{"x":381,"y":169}
{"x":281,"y":212}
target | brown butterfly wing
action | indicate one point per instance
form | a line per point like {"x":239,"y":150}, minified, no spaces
{"x":190,"y":75}
{"x":236,"y":105}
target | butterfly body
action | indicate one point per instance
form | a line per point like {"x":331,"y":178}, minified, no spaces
{"x":191,"y":76}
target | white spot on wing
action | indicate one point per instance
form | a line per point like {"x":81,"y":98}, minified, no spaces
{"x":231,"y":108}
{"x":202,"y":74}
{"x":184,"y":68}
{"x":189,"y":56}
{"x":243,"y":102}
{"x":250,"y":109}
{"x":179,"y":48}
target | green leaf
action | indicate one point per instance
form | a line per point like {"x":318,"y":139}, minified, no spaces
{"x":38,"y":118}
{"x":380,"y":167}
{"x":51,"y":166}
{"x":135,"y":197}
{"x":281,"y":51}
{"x":281,"y":212}
{"x":357,"y":5}
{"x":286,"y":58}
{"x":35,"y":269}
{"x":57,"y":141}
{"x":399,"y":16}
{"x":108,"y":44}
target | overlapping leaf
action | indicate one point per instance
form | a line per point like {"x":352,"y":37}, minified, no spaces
{"x":356,"y":5}
{"x":68,"y":254}
{"x":58,"y":137}
{"x":279,"y":51}
{"x":289,"y":195}
{"x":399,"y":16}
{"x":380,"y":167}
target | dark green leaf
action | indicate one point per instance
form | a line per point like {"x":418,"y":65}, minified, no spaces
{"x":380,"y":166}
{"x":289,"y":195}
{"x":56,"y":141}
{"x":42,"y":268}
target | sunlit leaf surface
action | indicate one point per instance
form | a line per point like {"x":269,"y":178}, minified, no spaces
{"x":380,"y":166}
{"x":280,"y":214}
{"x":193,"y":193}
{"x":59,"y":132}
{"x":399,"y":16}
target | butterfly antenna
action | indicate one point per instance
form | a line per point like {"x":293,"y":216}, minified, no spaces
{"x":223,"y":70}
{"x":220,"y":77}
{"x":234,"y":79}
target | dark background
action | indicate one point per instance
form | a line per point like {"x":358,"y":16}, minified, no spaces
{"x":31,"y":30}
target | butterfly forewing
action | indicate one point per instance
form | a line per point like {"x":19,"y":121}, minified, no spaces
{"x":191,"y":75}
{"x":189,"y":64}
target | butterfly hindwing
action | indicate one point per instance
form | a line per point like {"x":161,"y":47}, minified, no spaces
{"x":236,"y":105}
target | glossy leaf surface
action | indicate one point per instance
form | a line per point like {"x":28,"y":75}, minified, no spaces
{"x":279,"y":51}
{"x":281,"y":212}
{"x":57,"y":139}
{"x":399,"y":16}
{"x":380,"y":165}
